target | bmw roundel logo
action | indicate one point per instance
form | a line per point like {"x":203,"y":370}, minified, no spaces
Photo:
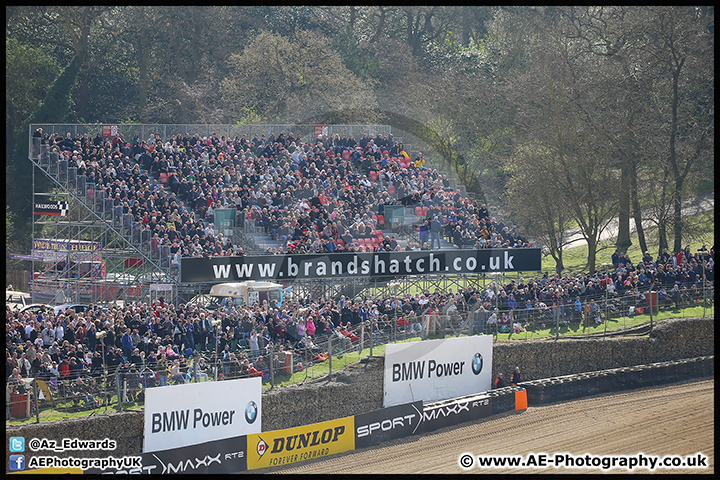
{"x":477,"y":363}
{"x":251,"y":412}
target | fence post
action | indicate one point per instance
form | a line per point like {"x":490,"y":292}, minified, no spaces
{"x":651,"y":309}
{"x":119,"y":392}
{"x":330,"y":352}
{"x":361,"y":344}
{"x":37,"y":401}
{"x":372,"y":339}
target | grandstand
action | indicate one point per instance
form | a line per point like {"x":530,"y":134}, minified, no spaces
{"x":139,"y":228}
{"x":152,"y":194}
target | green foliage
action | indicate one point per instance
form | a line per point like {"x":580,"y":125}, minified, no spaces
{"x":29,"y":73}
{"x":9,"y":220}
{"x":55,"y":105}
{"x":475,"y":82}
{"x":248,"y":116}
{"x":290,"y":79}
{"x":51,"y":110}
{"x":360,"y":60}
{"x":287,"y":19}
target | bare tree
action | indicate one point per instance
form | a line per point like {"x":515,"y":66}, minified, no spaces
{"x":683,"y":49}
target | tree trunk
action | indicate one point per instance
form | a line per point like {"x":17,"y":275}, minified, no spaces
{"x":465,"y":27}
{"x":677,"y":215}
{"x":662,"y":236}
{"x":635,"y":206}
{"x":83,"y":90}
{"x":143,"y":53}
{"x":559,"y":265}
{"x":592,"y":253}
{"x":623,"y":237}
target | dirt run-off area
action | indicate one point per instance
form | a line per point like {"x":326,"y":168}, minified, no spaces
{"x":675,"y":419}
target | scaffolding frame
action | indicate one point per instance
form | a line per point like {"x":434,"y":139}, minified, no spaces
{"x":133,"y":268}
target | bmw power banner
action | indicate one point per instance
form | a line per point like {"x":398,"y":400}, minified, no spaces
{"x":436,"y":370}
{"x":194,"y":413}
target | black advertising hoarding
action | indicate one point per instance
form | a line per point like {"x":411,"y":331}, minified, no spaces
{"x":224,"y":456}
{"x":59,"y":209}
{"x":388,"y":424}
{"x":349,"y":265}
{"x":451,"y":412}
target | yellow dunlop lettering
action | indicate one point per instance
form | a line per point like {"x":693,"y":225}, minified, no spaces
{"x":280,"y":447}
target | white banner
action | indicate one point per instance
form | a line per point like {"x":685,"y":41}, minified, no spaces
{"x":195,"y":413}
{"x":437,"y":369}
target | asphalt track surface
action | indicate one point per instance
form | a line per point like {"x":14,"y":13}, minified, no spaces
{"x":677,"y":419}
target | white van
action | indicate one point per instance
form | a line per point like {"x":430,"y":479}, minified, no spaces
{"x":17,"y":300}
{"x":248,"y":293}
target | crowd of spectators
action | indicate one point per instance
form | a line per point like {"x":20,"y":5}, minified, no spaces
{"x":327,"y":194}
{"x":181,"y":343}
{"x":314,"y":196}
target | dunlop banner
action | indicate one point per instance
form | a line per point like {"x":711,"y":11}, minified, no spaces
{"x":281,"y":447}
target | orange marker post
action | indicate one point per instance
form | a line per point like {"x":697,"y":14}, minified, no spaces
{"x":521,"y":400}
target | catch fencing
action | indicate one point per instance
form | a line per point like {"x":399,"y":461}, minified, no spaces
{"x":111,"y":388}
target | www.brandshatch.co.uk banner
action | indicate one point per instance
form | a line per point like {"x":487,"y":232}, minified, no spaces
{"x":352,"y":265}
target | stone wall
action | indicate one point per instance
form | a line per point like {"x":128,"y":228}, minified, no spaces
{"x":359,"y":388}
{"x":669,"y":340}
{"x":356,"y":389}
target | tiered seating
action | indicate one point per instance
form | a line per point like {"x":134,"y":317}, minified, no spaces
{"x":172,"y":187}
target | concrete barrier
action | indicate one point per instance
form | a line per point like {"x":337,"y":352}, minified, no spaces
{"x":570,"y":387}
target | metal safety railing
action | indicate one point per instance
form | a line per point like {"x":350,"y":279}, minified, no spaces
{"x":279,"y":361}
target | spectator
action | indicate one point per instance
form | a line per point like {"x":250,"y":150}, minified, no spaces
{"x":516,"y":376}
{"x":82,"y":390}
{"x":163,"y":369}
{"x":435,"y":230}
{"x":134,"y":382}
{"x":127,"y":344}
{"x":261,"y":365}
{"x":227,"y":360}
{"x":176,"y":373}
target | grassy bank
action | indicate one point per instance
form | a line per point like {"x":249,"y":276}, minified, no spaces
{"x":701,"y":228}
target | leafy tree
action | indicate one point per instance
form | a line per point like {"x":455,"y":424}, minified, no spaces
{"x":28,"y":74}
{"x":287,"y":80}
{"x":554,"y":94}
{"x":52,"y":110}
